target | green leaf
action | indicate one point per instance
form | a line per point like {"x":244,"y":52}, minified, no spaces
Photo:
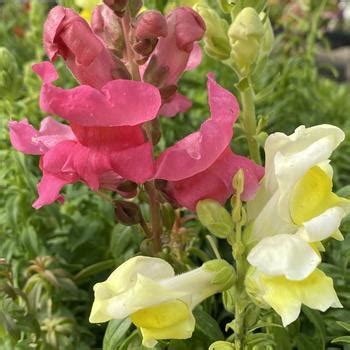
{"x":115,"y":333}
{"x":317,"y":320}
{"x":345,"y":339}
{"x":344,"y":325}
{"x":215,"y":218}
{"x":178,"y":345}
{"x":94,"y":269}
{"x":207,"y":325}
{"x":344,"y":192}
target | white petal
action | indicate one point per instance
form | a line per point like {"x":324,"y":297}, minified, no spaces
{"x":269,"y":222}
{"x":125,"y":276}
{"x":285,"y":255}
{"x":322,"y":226}
{"x":293,"y":155}
{"x":143,"y":294}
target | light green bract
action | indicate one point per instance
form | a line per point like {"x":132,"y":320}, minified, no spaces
{"x":158,"y":302}
{"x":294,"y":211}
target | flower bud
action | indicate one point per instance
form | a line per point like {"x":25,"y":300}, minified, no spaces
{"x":107,"y":26}
{"x":127,"y":189}
{"x":168,"y":215}
{"x":224,"y":274}
{"x":127,"y":213}
{"x":254,"y":288}
{"x":155,"y":74}
{"x":118,"y":6}
{"x":144,"y":48}
{"x":167,"y":92}
{"x":222,"y":345}
{"x":216,"y":38}
{"x":267,"y":43}
{"x":151,"y":24}
{"x":9,"y":77}
{"x":246,"y":35}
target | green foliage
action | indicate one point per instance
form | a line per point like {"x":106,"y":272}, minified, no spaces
{"x":215,"y":218}
{"x":50,"y":258}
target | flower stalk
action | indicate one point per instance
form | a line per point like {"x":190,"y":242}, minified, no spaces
{"x":132,"y":65}
{"x":239,"y":255}
{"x":249,"y":119}
{"x":155,"y":215}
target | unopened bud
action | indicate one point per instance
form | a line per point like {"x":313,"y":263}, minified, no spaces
{"x":155,"y":74}
{"x":168,"y":215}
{"x":145,"y":47}
{"x":246,"y":36}
{"x":222,"y":345}
{"x":127,"y":213}
{"x":150,"y":24}
{"x":118,"y":6}
{"x":120,"y":71}
{"x":224,"y":274}
{"x":254,"y":288}
{"x":167,"y":92}
{"x":216,"y":38}
{"x":269,"y":37}
{"x":107,"y":26}
{"x":127,"y":189}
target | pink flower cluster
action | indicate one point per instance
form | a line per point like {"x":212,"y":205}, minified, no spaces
{"x":105,"y":144}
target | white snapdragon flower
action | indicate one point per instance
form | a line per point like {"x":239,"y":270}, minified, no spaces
{"x":294,"y":210}
{"x":156,"y":300}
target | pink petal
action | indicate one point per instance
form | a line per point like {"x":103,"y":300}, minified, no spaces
{"x":46,"y":71}
{"x":216,"y":181}
{"x":108,"y":139}
{"x":185,"y":27}
{"x":52,"y":132}
{"x":26,"y":139}
{"x":199,"y":150}
{"x":49,"y":189}
{"x":135,"y":164}
{"x":118,"y":103}
{"x":195,"y":57}
{"x":107,"y":26}
{"x":190,"y":27}
{"x":22,"y":135}
{"x":178,"y":104}
{"x":68,"y":35}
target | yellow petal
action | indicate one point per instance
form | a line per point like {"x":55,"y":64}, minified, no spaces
{"x":311,"y":196}
{"x":286,"y":297}
{"x":181,"y":330}
{"x":161,"y":316}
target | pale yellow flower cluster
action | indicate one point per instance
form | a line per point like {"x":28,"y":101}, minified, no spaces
{"x":293,"y":212}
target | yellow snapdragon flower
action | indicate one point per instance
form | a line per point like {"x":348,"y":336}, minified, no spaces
{"x":159,"y":303}
{"x":294,"y":210}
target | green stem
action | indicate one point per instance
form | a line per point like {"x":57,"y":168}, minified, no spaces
{"x":156,"y":223}
{"x":314,"y":25}
{"x":249,"y":121}
{"x":238,"y":253}
{"x":156,"y":219}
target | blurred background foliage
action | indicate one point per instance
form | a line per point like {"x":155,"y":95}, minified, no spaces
{"x":50,"y":258}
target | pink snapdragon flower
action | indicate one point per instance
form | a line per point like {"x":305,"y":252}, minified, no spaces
{"x":177,"y":52}
{"x":68,"y":35}
{"x":104,"y":144}
{"x":202,"y":164}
